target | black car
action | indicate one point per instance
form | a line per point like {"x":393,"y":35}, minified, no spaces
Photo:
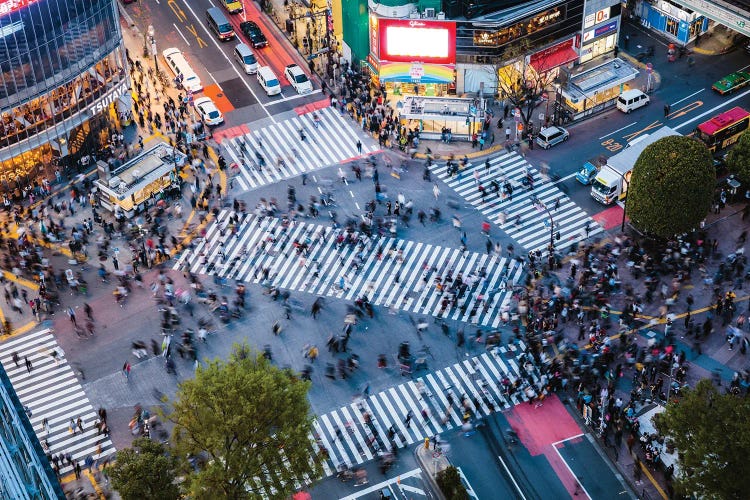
{"x":254,"y":34}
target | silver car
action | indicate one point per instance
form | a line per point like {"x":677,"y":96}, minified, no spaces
{"x":550,"y":136}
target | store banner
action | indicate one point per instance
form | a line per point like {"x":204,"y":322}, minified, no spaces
{"x":416,"y":72}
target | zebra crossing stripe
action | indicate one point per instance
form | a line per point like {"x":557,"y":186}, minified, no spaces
{"x":534,"y":231}
{"x":53,"y":392}
{"x":395,"y":273}
{"x":333,"y":142}
{"x":478,"y":378}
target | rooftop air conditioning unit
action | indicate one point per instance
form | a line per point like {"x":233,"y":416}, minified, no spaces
{"x":429,"y":13}
{"x":114,"y":181}
{"x":414,"y":15}
{"x":441,"y":15}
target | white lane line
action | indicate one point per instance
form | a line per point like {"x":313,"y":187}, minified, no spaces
{"x":180,"y":32}
{"x":723,"y":104}
{"x":686,"y":98}
{"x":618,"y":130}
{"x":292,"y":97}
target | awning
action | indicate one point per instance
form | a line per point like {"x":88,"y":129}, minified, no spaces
{"x":553,"y":57}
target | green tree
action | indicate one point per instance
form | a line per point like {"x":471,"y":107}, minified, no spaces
{"x":672,"y":186}
{"x":251,"y":423}
{"x":738,"y":160}
{"x":711,"y":432}
{"x":145,"y":472}
{"x":449,"y":482}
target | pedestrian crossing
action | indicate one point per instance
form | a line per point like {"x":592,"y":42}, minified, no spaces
{"x":533,"y":231}
{"x":394,"y":273}
{"x":433,"y":400}
{"x":333,"y":141}
{"x":52,"y":391}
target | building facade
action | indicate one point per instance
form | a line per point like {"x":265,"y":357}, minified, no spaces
{"x":62,"y":69}
{"x":25,"y":472}
{"x":676,"y":22}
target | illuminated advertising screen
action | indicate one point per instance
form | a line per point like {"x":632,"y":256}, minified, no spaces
{"x":409,"y":40}
{"x":8,"y":6}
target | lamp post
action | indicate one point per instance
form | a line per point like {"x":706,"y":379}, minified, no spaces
{"x":540,"y":206}
{"x":151,"y":33}
{"x":557,"y":103}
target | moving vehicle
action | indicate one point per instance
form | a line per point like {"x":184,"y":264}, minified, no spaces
{"x":632,"y":99}
{"x":246,"y":58}
{"x":723,"y":130}
{"x":254,"y":34}
{"x":298,"y":79}
{"x":732,"y":82}
{"x":182,"y":71}
{"x":550,"y":136}
{"x":268,"y":81}
{"x":587,"y":173}
{"x":217,"y":22}
{"x":232,"y":6}
{"x":612,"y":181}
{"x":208,"y":111}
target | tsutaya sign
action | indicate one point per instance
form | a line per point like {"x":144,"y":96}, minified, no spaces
{"x":8,"y":6}
{"x":734,"y":17}
{"x":110,"y":98}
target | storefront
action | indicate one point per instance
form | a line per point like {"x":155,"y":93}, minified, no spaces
{"x":433,"y":115}
{"x":413,"y":56}
{"x":600,"y":32}
{"x":595,"y":88}
{"x":676,"y":22}
{"x":141,"y":182}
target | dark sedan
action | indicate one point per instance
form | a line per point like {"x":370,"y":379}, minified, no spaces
{"x":254,"y":34}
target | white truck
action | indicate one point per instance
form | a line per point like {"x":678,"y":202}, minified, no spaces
{"x":611,"y":183}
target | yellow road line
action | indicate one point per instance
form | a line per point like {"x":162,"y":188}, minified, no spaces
{"x":653,"y":481}
{"x":95,"y":484}
{"x":21,"y":281}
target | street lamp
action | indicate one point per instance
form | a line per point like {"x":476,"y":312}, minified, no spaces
{"x":151,"y":33}
{"x":557,"y":102}
{"x":540,"y":206}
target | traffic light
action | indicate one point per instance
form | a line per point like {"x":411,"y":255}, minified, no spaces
{"x":557,"y":236}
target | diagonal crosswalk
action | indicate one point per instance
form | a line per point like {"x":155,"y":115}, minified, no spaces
{"x":358,"y":432}
{"x":411,"y":276}
{"x":333,"y":141}
{"x":533,"y":231}
{"x":52,"y":391}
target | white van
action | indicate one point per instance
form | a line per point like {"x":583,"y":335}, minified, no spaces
{"x":268,"y":81}
{"x":182,"y":70}
{"x":632,"y":99}
{"x":246,"y":58}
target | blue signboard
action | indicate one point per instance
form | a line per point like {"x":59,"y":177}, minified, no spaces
{"x":607,"y":28}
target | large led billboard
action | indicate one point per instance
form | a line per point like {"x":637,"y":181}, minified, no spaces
{"x":410,"y":40}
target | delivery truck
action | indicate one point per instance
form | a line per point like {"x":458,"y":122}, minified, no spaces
{"x":611,"y":183}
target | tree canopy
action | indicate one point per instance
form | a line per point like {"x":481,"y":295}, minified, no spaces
{"x":250,"y":423}
{"x":738,"y":160}
{"x":711,"y":432}
{"x":146,"y":471}
{"x":672,"y":186}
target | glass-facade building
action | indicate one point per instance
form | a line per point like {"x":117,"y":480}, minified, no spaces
{"x":25,"y":472}
{"x":62,"y":66}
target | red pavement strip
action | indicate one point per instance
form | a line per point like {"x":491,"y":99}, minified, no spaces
{"x":313,"y":106}
{"x":540,"y":429}
{"x":610,"y":217}
{"x":218,"y":97}
{"x":228,"y":133}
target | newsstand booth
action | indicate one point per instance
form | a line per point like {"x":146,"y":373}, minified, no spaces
{"x":141,"y":182}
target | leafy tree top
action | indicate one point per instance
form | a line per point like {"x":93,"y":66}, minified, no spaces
{"x":251,"y":422}
{"x":146,"y":471}
{"x":738,"y":160}
{"x":672,"y":186}
{"x":711,"y":432}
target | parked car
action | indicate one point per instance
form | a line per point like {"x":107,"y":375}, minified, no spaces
{"x":298,"y":79}
{"x":253,"y":33}
{"x":550,"y":136}
{"x":209,"y":112}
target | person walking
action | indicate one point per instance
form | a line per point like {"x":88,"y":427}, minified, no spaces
{"x":15,"y":358}
{"x":666,"y":110}
{"x":126,"y":371}
{"x":88,"y":310}
{"x":29,"y":366}
{"x":72,"y":316}
{"x":407,"y":420}
{"x":359,"y":147}
{"x":436,"y":191}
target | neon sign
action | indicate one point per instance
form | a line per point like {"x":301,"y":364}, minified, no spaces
{"x":8,"y":6}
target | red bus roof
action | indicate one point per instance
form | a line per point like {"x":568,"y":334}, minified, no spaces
{"x":723,"y":120}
